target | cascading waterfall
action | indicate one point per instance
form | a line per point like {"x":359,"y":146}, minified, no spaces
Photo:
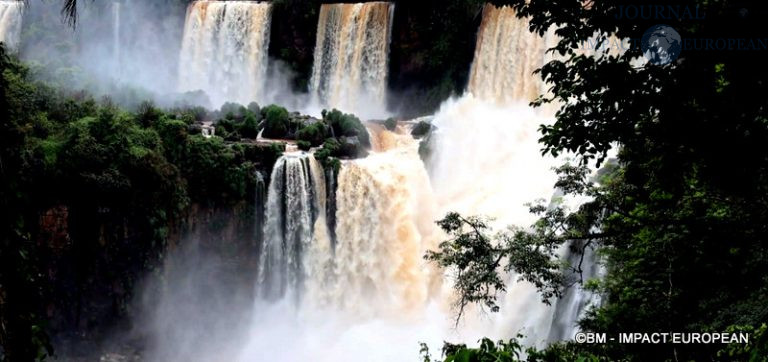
{"x":573,"y":305}
{"x":295,"y":201}
{"x":351,"y":57}
{"x":259,"y":204}
{"x":11,"y":13}
{"x":506,"y":56}
{"x":330,"y":212}
{"x":116,"y":47}
{"x":224,"y":50}
{"x":384,"y":227}
{"x":371,"y":293}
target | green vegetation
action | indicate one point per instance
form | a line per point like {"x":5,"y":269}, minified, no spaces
{"x":276,"y":122}
{"x":347,"y":125}
{"x":233,"y":121}
{"x":329,"y":153}
{"x":304,"y":145}
{"x":390,"y":124}
{"x":91,"y":194}
{"x":315,"y":134}
{"x":509,"y":351}
{"x":250,"y":127}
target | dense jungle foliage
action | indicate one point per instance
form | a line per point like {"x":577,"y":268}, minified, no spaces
{"x":124,"y":181}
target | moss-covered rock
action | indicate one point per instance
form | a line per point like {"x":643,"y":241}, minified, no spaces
{"x":347,"y":125}
{"x":390,"y":124}
{"x":351,"y":147}
{"x":331,"y":147}
{"x":304,"y":145}
{"x":422,"y":129}
{"x":314,"y":134}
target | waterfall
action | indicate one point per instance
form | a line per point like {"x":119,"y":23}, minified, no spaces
{"x":116,"y":53}
{"x":11,"y":13}
{"x":351,"y":57}
{"x":487,"y":161}
{"x":295,"y":201}
{"x":573,"y":305}
{"x":372,"y":293}
{"x":330,"y":212}
{"x":341,"y":271}
{"x":224,"y":50}
{"x":506,"y":56}
{"x":258,"y":207}
{"x":384,"y":227}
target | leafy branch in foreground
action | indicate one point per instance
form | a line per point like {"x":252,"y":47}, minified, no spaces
{"x":474,"y":256}
{"x":510,"y":351}
{"x":481,"y":260}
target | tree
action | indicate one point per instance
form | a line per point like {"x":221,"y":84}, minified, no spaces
{"x":277,"y":122}
{"x":481,"y":260}
{"x":122,"y":184}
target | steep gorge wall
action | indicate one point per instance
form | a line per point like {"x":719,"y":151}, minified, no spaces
{"x":94,"y":260}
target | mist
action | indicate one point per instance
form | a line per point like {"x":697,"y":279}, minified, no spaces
{"x":131,"y":52}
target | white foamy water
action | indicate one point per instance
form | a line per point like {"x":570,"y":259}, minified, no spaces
{"x":352,"y":57}
{"x":11,"y":14}
{"x":224,"y":51}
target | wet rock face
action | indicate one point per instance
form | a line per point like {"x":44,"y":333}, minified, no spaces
{"x":422,"y":129}
{"x":54,"y":228}
{"x":303,"y":120}
{"x":352,"y":147}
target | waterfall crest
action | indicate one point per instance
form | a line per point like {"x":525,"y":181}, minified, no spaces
{"x":11,"y":13}
{"x":351,"y":57}
{"x":506,"y":56}
{"x":224,"y":50}
{"x":295,"y":201}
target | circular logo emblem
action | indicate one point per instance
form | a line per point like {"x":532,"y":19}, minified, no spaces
{"x":661,"y":44}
